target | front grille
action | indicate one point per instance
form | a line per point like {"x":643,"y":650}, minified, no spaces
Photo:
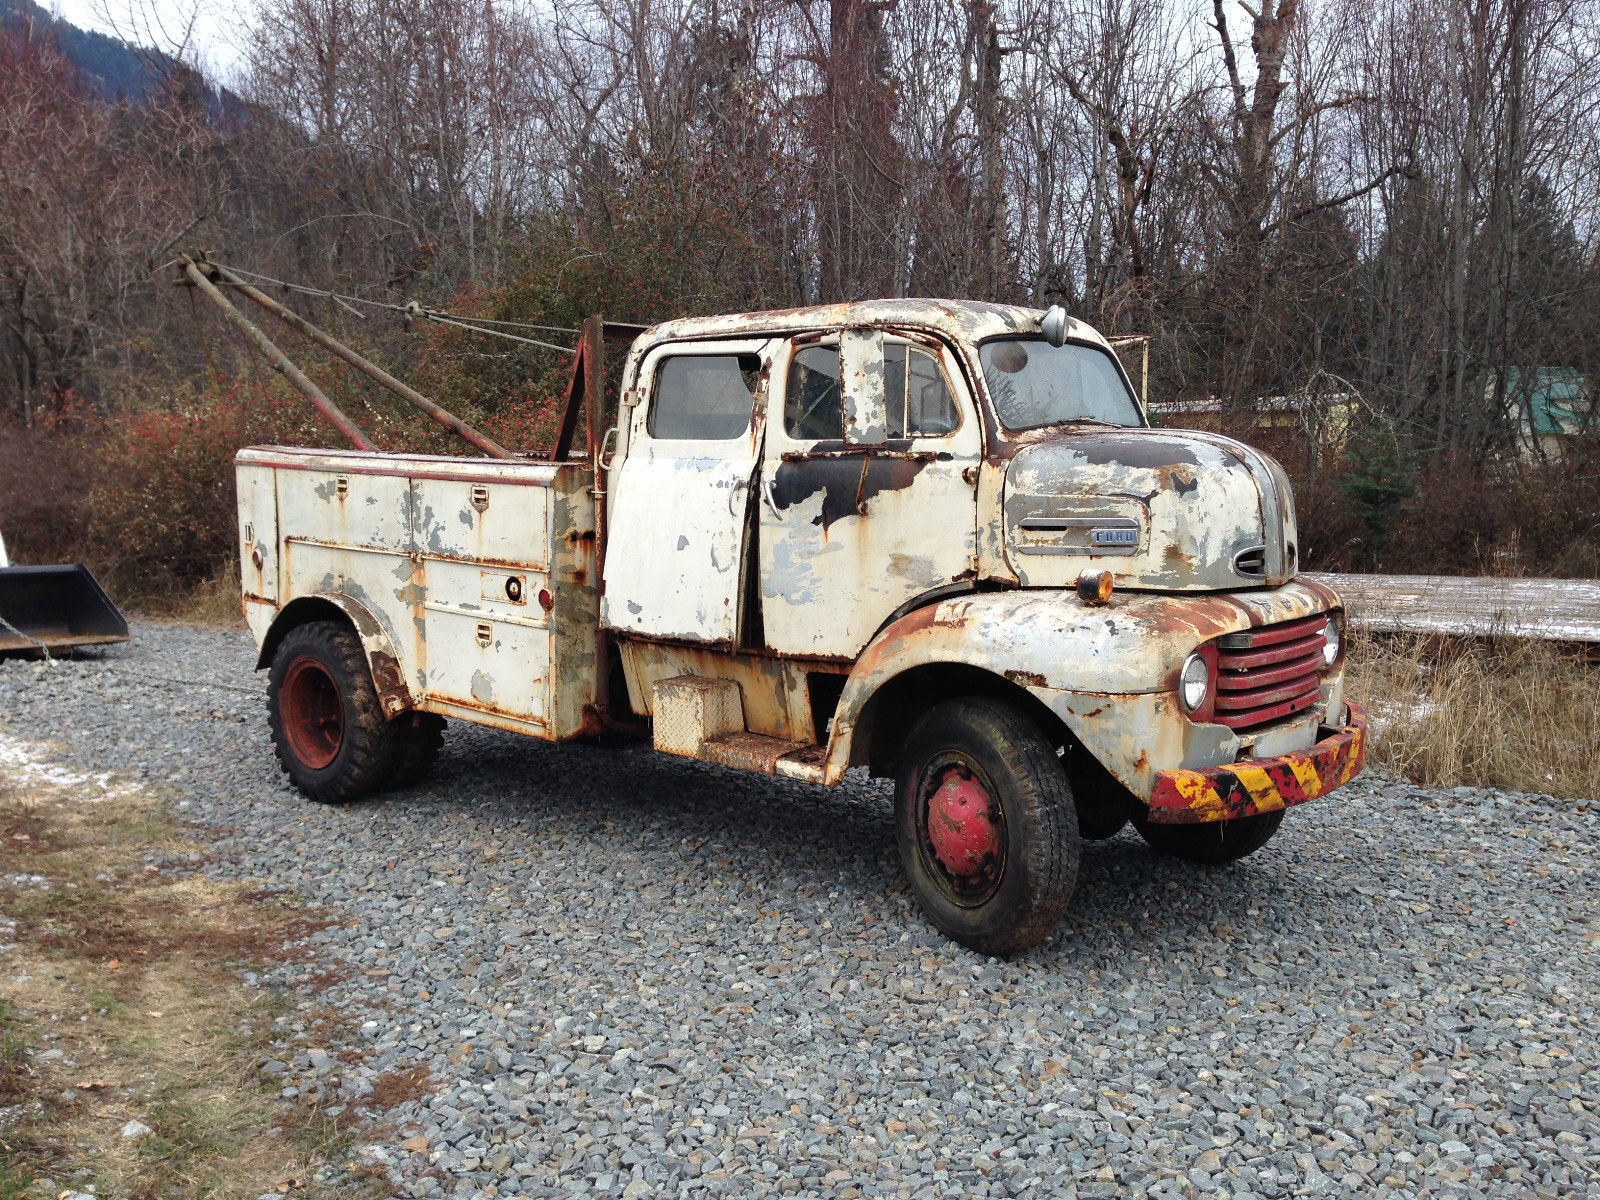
{"x":1267,"y":674}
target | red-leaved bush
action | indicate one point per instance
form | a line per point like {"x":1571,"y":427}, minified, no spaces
{"x":162,"y":496}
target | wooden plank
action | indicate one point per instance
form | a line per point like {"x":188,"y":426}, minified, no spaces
{"x":1563,"y":610}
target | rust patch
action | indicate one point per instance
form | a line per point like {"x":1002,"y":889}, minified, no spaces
{"x":749,"y":751}
{"x":1244,"y":789}
{"x":1136,"y":448}
{"x":847,"y":482}
{"x":1026,"y":678}
{"x":389,"y":679}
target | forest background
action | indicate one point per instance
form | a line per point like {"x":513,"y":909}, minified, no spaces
{"x":1365,"y":235}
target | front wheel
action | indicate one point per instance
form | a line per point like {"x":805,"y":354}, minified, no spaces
{"x":1212,"y":843}
{"x":986,"y":825}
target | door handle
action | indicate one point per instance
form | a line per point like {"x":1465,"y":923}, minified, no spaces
{"x":766,"y":494}
{"x":608,"y":448}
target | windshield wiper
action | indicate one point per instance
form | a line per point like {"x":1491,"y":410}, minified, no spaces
{"x":1089,"y":421}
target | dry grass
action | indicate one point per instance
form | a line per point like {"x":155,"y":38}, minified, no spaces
{"x":128,"y":972}
{"x":1512,"y":714}
{"x":216,"y":601}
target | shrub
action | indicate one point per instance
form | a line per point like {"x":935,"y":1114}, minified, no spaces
{"x":163,"y":494}
{"x":45,"y":497}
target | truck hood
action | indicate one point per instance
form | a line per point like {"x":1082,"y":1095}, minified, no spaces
{"x":1164,"y":510}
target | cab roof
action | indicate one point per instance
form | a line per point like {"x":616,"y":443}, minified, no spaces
{"x":960,"y":320}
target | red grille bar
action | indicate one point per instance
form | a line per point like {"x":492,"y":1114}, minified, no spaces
{"x":1266,"y":674}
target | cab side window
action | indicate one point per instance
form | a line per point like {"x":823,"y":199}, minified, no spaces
{"x":813,"y":409}
{"x":917,"y":400}
{"x":703,"y":397}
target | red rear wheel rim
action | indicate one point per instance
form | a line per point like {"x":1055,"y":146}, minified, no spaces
{"x":313,"y":712}
{"x":961,"y":829}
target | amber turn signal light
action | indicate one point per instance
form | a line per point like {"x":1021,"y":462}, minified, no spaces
{"x":1094,"y":587}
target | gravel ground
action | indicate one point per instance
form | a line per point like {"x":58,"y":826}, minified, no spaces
{"x":635,"y":976}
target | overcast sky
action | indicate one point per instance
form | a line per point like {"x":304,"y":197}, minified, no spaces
{"x":218,"y":27}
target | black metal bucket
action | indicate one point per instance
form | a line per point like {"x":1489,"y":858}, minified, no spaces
{"x":59,"y":607}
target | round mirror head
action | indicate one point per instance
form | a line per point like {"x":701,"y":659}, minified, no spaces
{"x":1054,"y":325}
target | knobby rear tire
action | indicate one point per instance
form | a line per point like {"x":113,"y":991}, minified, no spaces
{"x":418,"y":737}
{"x":361,"y":755}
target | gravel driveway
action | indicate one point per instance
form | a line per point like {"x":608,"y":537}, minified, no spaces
{"x":635,"y":976}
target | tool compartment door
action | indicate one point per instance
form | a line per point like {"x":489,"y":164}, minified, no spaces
{"x":482,"y":549}
{"x":680,"y":511}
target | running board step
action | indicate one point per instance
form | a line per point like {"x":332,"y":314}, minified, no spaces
{"x":699,"y":717}
{"x":770,"y":755}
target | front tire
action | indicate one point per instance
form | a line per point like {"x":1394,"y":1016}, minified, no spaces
{"x":328,"y":728}
{"x":1212,"y":843}
{"x":986,"y":825}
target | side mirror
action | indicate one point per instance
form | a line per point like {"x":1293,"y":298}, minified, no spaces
{"x":866,"y":419}
{"x":1054,"y":325}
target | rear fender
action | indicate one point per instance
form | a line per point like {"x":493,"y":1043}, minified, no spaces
{"x":384,"y":663}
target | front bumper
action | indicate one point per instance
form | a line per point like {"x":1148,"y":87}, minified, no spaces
{"x":1260,"y":785}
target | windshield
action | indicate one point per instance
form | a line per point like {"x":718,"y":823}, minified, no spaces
{"x":1034,"y":383}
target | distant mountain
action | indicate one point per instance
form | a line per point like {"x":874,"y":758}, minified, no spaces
{"x":110,"y":67}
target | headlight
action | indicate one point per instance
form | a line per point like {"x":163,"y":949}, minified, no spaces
{"x":1194,"y":681}
{"x":1331,"y":644}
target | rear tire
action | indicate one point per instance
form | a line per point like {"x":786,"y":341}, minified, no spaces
{"x":986,"y":826}
{"x":417,"y":737}
{"x":328,"y":728}
{"x":1212,"y":843}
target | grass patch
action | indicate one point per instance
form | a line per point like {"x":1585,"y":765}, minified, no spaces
{"x":1515,"y":714}
{"x":122,"y":1004}
{"x":396,"y":1087}
{"x":13,"y":1053}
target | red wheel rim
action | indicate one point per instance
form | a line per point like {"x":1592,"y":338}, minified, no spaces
{"x":312,"y":712}
{"x":961,"y":829}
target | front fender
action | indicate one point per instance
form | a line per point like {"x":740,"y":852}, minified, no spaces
{"x":1117,"y":661}
{"x":382,"y":660}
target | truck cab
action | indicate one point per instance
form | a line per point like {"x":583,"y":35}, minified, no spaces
{"x":937,"y":540}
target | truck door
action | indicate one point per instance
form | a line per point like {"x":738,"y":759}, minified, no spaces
{"x":868,"y":490}
{"x":680,"y":504}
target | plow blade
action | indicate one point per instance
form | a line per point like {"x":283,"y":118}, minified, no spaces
{"x":60,"y":607}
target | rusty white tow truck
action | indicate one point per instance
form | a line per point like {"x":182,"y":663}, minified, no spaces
{"x":934,"y":539}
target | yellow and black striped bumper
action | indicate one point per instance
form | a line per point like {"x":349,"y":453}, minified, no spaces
{"x":1262,"y":785}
